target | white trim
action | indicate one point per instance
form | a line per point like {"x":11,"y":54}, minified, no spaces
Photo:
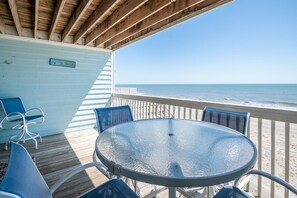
{"x":48,"y":42}
{"x":112,"y":72}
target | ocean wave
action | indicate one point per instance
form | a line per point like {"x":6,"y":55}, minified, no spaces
{"x":226,"y":99}
{"x":250,"y":95}
{"x":233,"y":100}
{"x":273,"y":104}
{"x":291,"y":104}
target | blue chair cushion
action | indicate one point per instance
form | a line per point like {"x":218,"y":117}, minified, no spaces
{"x":111,"y":116}
{"x":111,"y":189}
{"x":11,"y":105}
{"x":28,"y":118}
{"x":232,"y":192}
{"x":233,"y":119}
{"x":22,"y":177}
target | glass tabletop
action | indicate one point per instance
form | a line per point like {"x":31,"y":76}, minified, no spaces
{"x":176,"y":153}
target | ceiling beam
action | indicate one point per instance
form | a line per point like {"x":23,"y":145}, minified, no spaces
{"x":36,"y":18}
{"x":58,"y":10}
{"x":173,"y":20}
{"x":80,"y":10}
{"x":167,"y":12}
{"x":123,"y":11}
{"x":140,"y":14}
{"x":15,"y":16}
{"x":2,"y":25}
{"x":99,"y":13}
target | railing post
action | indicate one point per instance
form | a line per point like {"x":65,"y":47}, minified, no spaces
{"x":272,"y":185}
{"x":287,"y":156}
{"x":260,"y":155}
{"x":173,"y":111}
{"x":249,"y":136}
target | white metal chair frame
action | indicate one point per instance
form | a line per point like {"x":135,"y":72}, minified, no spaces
{"x":236,"y":189}
{"x":241,"y":183}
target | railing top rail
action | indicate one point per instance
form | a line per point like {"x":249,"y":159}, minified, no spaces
{"x":257,"y":112}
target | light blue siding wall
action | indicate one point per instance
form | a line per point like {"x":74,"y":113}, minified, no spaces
{"x":66,"y":95}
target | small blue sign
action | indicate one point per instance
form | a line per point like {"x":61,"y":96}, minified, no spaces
{"x":62,"y":63}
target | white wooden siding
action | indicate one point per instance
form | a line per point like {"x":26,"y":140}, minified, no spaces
{"x":67,"y":95}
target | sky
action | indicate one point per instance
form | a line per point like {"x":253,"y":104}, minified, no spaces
{"x":243,"y":42}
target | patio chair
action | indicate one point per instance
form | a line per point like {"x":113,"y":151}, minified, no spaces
{"x":111,"y":116}
{"x":22,"y":169}
{"x":20,"y":118}
{"x":235,"y":191}
{"x":232,"y":119}
{"x":108,"y":117}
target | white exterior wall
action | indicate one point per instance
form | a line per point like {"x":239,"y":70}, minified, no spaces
{"x":66,"y":95}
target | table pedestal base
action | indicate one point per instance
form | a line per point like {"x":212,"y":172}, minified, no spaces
{"x":171,"y":192}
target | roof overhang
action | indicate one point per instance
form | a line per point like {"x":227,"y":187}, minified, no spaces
{"x":109,"y":24}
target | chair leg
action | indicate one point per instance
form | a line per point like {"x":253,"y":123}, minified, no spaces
{"x":6,"y":145}
{"x":15,"y":138}
{"x":33,"y":136}
{"x":25,"y":135}
{"x":136,"y":188}
{"x":154,"y":193}
{"x":200,"y":192}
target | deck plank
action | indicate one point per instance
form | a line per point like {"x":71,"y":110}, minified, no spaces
{"x":58,"y":154}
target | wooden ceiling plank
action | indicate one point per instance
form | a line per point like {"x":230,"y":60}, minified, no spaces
{"x":118,"y":15}
{"x":15,"y":16}
{"x":140,"y":14}
{"x":58,"y":10}
{"x":80,"y":10}
{"x":99,"y":13}
{"x":2,"y":25}
{"x":166,"y":23}
{"x":167,"y":12}
{"x":36,"y":18}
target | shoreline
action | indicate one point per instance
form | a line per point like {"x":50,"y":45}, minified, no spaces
{"x":276,"y":96}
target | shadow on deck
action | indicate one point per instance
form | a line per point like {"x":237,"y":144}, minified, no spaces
{"x":58,"y":154}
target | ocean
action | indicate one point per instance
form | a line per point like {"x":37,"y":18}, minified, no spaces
{"x":282,"y":96}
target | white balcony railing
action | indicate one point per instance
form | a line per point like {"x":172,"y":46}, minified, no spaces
{"x":274,"y":131}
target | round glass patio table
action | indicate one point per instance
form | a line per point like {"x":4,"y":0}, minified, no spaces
{"x":176,"y":153}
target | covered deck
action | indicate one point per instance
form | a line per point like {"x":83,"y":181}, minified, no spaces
{"x":272,"y":130}
{"x":85,"y":34}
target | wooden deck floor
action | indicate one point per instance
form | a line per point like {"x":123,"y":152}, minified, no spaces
{"x":58,"y":154}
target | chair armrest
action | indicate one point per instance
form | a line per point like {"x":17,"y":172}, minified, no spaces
{"x":34,"y":109}
{"x":273,"y":178}
{"x":10,"y":115}
{"x":4,"y":194}
{"x":76,"y":170}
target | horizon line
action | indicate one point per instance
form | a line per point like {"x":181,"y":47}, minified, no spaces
{"x":205,"y":83}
